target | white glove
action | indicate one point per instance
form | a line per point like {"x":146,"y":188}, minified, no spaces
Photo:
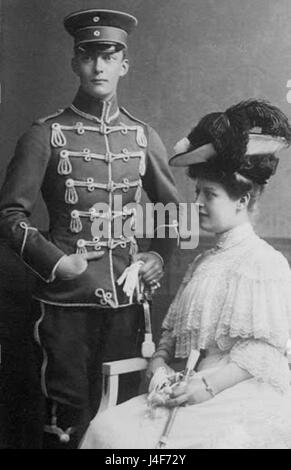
{"x":131,"y":280}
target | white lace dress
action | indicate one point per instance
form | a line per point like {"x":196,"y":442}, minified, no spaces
{"x":234,"y":302}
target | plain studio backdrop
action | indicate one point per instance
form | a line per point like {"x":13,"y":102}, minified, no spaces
{"x":188,"y":58}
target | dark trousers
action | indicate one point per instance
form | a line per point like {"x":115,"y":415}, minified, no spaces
{"x":72,"y":344}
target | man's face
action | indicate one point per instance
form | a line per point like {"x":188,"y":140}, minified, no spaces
{"x":99,"y":71}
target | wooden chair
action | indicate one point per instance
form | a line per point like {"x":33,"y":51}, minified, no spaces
{"x":112,"y":370}
{"x":110,"y":378}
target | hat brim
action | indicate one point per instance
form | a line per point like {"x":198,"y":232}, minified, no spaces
{"x":259,"y":144}
{"x":192,"y":157}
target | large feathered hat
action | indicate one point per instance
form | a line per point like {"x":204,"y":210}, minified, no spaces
{"x":238,"y":140}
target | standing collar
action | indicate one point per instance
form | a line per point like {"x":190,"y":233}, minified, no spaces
{"x":93,"y":108}
{"x":234,"y":236}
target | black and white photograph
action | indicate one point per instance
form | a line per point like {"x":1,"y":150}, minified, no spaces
{"x":145,"y":227}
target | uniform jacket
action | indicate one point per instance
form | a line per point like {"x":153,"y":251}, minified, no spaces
{"x":81,"y":156}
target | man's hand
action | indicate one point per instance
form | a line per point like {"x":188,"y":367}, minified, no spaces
{"x":72,"y":266}
{"x":152,"y":269}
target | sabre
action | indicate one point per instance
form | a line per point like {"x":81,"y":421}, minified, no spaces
{"x":132,"y":284}
{"x":191,"y":363}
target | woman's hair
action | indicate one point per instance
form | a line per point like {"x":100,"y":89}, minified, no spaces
{"x":235,"y":184}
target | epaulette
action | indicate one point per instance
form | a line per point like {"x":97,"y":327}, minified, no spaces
{"x":123,"y":110}
{"x":46,"y":118}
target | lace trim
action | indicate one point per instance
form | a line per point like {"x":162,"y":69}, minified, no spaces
{"x":262,"y":361}
{"x":243,"y":292}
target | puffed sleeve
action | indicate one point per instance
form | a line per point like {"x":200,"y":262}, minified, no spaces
{"x":264,"y":362}
{"x":258,"y":300}
{"x":259,"y":320}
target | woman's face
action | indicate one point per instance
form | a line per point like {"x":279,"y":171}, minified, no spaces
{"x":217,"y":211}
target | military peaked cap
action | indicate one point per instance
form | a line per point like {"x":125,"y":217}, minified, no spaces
{"x":100,"y":26}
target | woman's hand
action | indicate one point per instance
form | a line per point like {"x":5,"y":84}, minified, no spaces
{"x":154,"y":364}
{"x":190,"y":392}
{"x":72,"y":266}
{"x":195,"y":391}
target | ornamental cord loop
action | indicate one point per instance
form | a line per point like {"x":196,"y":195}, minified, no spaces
{"x":137,"y":196}
{"x":133,"y":250}
{"x":26,"y":229}
{"x":58,"y":138}
{"x":106,"y":297}
{"x":76,"y":223}
{"x":64,"y":166}
{"x":53,"y":428}
{"x":71,"y":195}
{"x":81,"y":250}
{"x":142,"y":167}
{"x":140,"y":137}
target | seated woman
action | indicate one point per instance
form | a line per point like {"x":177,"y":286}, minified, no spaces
{"x":234,"y":304}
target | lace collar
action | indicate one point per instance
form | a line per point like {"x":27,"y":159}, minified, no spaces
{"x":234,"y":236}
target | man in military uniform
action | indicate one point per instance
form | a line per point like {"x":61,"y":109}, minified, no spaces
{"x":78,"y":158}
